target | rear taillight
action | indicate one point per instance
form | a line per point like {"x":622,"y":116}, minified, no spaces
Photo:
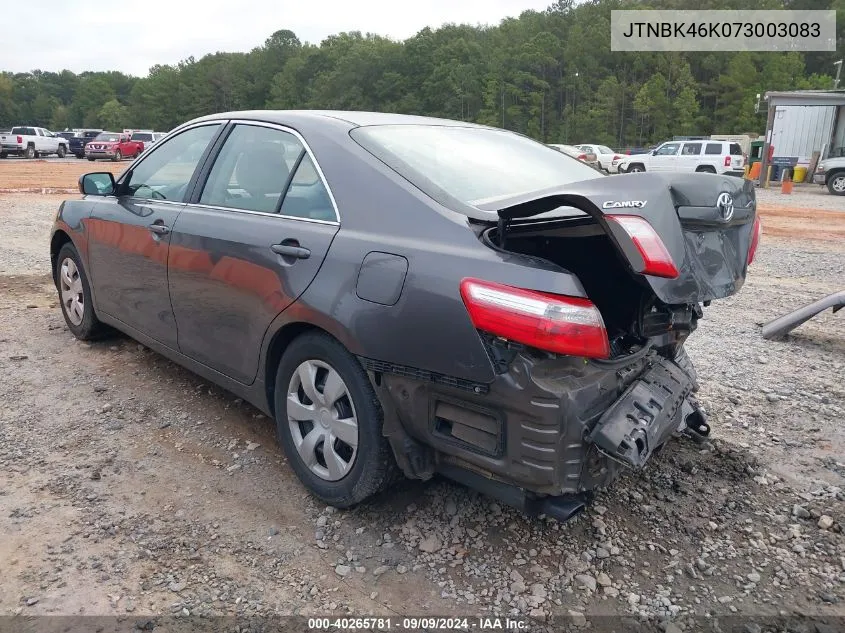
{"x":756,"y":233}
{"x":656,"y":259}
{"x":727,"y":161}
{"x":20,"y":140}
{"x":555,"y":323}
{"x":582,"y":157}
{"x":616,"y":157}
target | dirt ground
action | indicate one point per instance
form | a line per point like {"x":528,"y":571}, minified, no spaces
{"x":129,"y":486}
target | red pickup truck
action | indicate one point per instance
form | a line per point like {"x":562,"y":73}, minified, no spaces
{"x":114,"y":146}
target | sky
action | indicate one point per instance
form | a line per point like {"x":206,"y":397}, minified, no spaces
{"x":131,"y":36}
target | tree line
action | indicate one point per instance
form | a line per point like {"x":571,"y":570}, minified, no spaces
{"x":548,"y":74}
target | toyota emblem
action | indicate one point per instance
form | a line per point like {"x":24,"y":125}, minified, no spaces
{"x":725,"y":203}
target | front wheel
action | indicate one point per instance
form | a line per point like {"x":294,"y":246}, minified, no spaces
{"x":91,"y":159}
{"x":117,"y":156}
{"x":75,"y":295}
{"x":329,"y":422}
{"x":836,"y":184}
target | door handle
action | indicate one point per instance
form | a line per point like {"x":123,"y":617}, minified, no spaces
{"x":291,"y":248}
{"x":159,"y":229}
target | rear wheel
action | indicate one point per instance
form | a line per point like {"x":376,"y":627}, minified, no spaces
{"x":30,"y":152}
{"x":4,"y":155}
{"x":91,"y":159}
{"x":836,"y":184}
{"x":61,"y":152}
{"x":329,"y":422}
{"x":636,"y":168}
{"x":75,"y":295}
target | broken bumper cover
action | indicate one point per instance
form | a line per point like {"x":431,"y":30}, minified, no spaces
{"x":652,"y":409}
{"x":548,"y":427}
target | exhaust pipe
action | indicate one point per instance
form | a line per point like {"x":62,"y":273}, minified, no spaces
{"x":561,"y":508}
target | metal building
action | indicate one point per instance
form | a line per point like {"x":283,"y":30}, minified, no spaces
{"x":802,"y":122}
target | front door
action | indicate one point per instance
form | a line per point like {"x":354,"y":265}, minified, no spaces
{"x":247,"y":246}
{"x":665,"y":158}
{"x":129,"y":235}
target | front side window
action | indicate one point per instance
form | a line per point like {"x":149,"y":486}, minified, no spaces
{"x":166,"y":171}
{"x":669,"y":149}
{"x":470,"y":164}
{"x":252,"y":169}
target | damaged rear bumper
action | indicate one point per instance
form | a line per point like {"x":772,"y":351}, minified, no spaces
{"x":549,"y":430}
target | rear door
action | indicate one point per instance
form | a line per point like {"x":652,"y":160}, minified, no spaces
{"x":247,"y":245}
{"x":690,"y":156}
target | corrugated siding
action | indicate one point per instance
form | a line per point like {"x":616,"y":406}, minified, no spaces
{"x":801,"y":130}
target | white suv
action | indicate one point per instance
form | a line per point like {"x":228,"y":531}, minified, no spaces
{"x":715,"y":157}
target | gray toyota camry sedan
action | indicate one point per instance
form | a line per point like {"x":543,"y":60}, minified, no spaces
{"x":412,"y":295}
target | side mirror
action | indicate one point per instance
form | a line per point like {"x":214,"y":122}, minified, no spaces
{"x":654,"y":152}
{"x":99,"y":183}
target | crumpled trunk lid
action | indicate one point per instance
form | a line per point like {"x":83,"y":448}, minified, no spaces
{"x":706,"y":223}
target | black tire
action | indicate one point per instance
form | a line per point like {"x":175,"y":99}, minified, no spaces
{"x":29,"y":152}
{"x":117,"y":156}
{"x":80,"y":155}
{"x":837,"y":180}
{"x":636,"y":168}
{"x":90,"y":328}
{"x":705,"y":170}
{"x":91,"y":159}
{"x":61,"y":151}
{"x":374,"y":466}
{"x":4,"y":155}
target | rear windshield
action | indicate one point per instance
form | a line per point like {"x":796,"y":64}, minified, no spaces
{"x":736,"y":150}
{"x":108,"y":137}
{"x":470,"y":164}
{"x":142,"y":136}
{"x":26,"y":131}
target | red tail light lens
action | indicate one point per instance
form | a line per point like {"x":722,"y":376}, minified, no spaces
{"x":756,"y":233}
{"x":582,"y":157}
{"x":616,"y":157}
{"x":20,"y":140}
{"x":555,"y":323}
{"x":727,"y":161}
{"x":657,"y":260}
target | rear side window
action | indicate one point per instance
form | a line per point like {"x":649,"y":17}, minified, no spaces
{"x":691,"y":149}
{"x":253,"y":169}
{"x":470,"y":164}
{"x":736,"y":150}
{"x":713,"y":148}
{"x":307,"y":197}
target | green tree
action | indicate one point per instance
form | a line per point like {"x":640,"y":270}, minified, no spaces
{"x":113,"y":115}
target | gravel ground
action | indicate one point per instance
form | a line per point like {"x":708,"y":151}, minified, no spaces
{"x":130,"y":486}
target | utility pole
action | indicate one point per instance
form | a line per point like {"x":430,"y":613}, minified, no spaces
{"x":838,"y":71}
{"x":767,"y":143}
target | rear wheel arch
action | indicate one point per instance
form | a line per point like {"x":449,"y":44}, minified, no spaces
{"x":278,"y":344}
{"x":705,"y":169}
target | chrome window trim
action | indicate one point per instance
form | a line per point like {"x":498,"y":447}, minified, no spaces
{"x":266,"y":214}
{"x":289,"y":130}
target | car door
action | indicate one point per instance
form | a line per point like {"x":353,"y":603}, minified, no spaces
{"x":665,"y":157}
{"x":41,"y":141}
{"x":129,"y":234}
{"x":690,"y":157}
{"x":247,"y":245}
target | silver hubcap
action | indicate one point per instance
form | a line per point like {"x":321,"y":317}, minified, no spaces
{"x":838,"y":183}
{"x":322,"y":420}
{"x":71,"y":291}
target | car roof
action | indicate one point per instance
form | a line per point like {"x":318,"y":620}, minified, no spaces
{"x":354,"y":118}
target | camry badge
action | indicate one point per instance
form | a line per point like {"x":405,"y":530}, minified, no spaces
{"x":624,"y":204}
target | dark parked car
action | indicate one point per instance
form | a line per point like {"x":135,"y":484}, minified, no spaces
{"x":66,"y":135}
{"x":404,"y":291}
{"x":78,"y":143}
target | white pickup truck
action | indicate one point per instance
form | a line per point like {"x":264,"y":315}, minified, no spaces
{"x":32,"y":142}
